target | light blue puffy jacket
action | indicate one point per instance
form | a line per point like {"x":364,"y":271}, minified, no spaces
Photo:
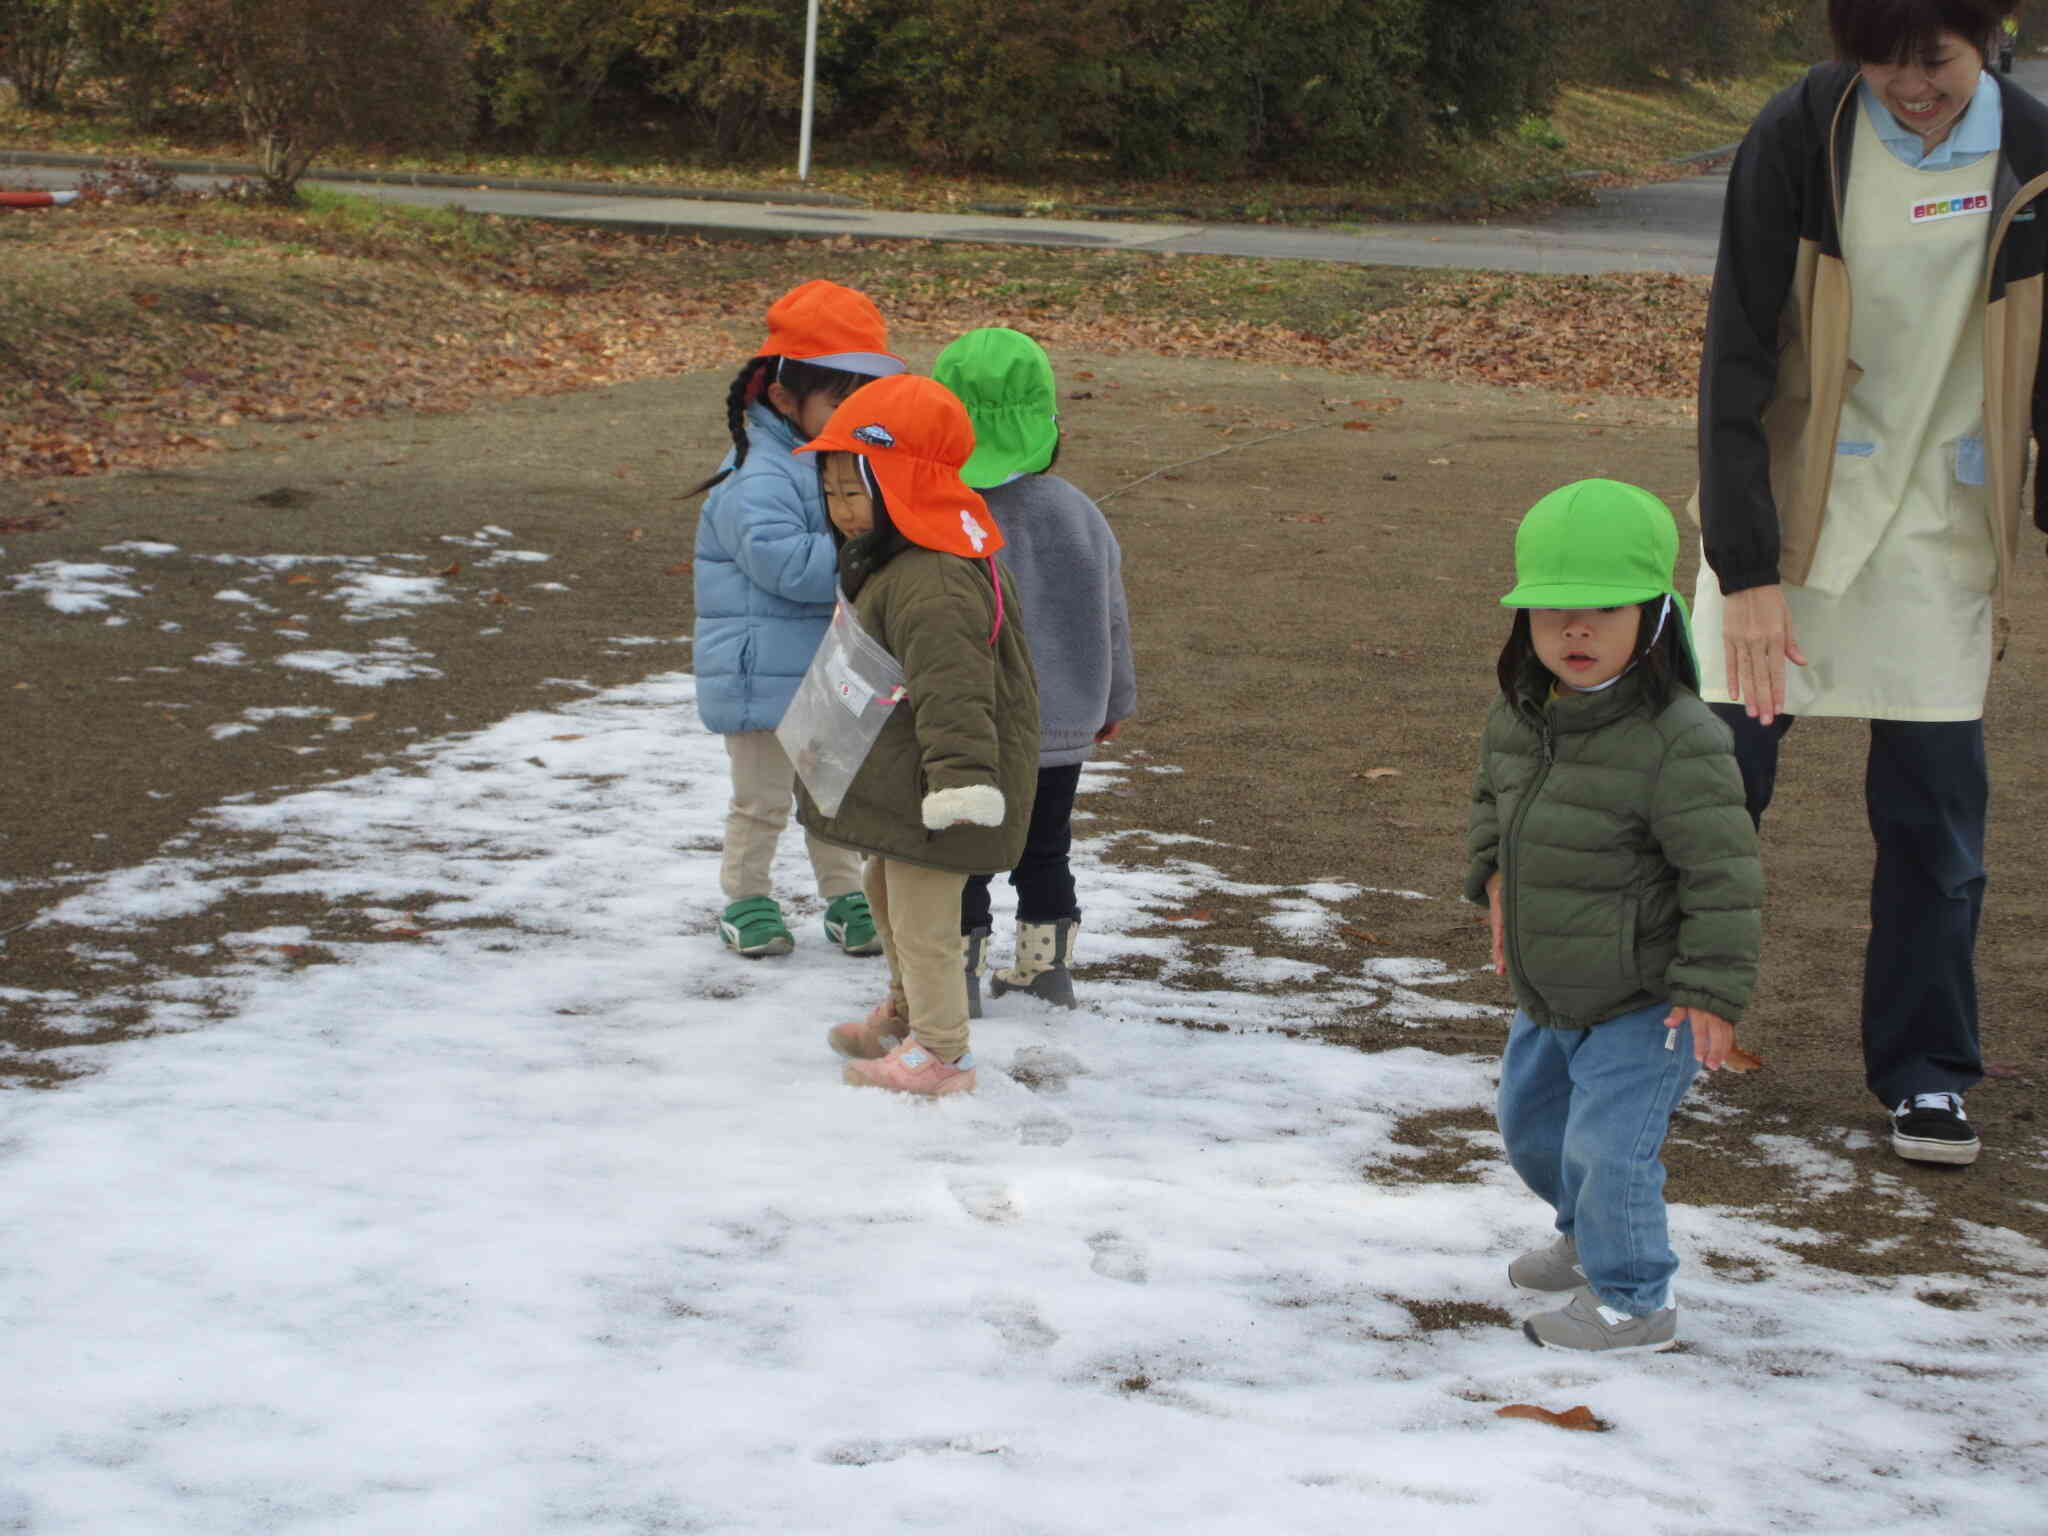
{"x":766,"y":572}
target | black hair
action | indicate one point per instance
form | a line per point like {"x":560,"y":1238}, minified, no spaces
{"x":751,"y":383}
{"x":1892,"y":31}
{"x":1663,"y":658}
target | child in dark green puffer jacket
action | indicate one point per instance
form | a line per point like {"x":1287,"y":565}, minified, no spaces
{"x":1610,"y":844}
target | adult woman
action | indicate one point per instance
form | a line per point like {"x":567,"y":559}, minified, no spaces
{"x":1866,"y":395}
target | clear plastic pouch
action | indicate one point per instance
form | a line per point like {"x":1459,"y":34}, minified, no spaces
{"x":840,"y":708}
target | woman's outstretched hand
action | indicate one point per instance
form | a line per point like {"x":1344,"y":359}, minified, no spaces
{"x":1757,"y":640}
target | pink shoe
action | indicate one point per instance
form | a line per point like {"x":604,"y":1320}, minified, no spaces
{"x":876,"y":1035}
{"x":910,"y":1068}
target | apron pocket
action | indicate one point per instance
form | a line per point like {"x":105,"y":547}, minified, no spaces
{"x":1971,"y":553}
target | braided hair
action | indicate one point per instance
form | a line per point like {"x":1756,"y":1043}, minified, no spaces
{"x":750,"y":384}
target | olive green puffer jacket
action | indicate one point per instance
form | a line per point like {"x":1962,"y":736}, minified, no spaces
{"x":1629,"y":866}
{"x":970,"y":718}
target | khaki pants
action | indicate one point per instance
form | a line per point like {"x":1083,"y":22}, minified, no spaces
{"x":917,"y":914}
{"x":763,"y":789}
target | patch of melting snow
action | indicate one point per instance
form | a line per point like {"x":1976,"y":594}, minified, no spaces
{"x":391,"y":661}
{"x":76,"y":586}
{"x":573,"y":1152}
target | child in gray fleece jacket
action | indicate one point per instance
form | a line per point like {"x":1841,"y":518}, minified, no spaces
{"x":1068,"y":571}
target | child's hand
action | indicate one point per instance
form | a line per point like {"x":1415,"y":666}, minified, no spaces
{"x":1109,"y":731}
{"x":1713,"y":1037}
{"x":1493,"y":921}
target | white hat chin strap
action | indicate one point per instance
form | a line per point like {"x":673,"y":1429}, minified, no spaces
{"x":1663,"y":615}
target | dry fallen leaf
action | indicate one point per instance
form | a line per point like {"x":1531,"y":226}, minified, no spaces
{"x":680,"y":568}
{"x":1361,"y":934}
{"x":1357,"y":426}
{"x":573,"y":736}
{"x":1580,"y":1417}
{"x":1383,"y":773}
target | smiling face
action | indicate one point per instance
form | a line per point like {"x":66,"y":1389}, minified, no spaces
{"x":1928,"y":92}
{"x":847,"y":501}
{"x":1585,"y":647}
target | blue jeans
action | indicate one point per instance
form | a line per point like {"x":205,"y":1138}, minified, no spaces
{"x":1583,"y":1113}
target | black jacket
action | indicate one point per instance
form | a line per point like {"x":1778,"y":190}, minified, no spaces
{"x":1778,"y":356}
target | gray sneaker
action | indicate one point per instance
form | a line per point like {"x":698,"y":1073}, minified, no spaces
{"x":1590,"y":1324}
{"x":1551,"y":1268}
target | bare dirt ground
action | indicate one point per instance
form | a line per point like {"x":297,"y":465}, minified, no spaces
{"x":1313,"y":561}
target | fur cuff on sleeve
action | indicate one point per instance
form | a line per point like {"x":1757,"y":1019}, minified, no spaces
{"x":981,"y":804}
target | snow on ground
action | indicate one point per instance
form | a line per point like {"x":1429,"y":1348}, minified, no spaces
{"x":543,"y":1213}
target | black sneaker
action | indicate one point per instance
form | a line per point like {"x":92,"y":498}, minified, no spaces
{"x":1930,"y":1128}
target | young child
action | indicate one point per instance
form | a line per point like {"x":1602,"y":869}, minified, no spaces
{"x":765,"y":571}
{"x":1611,"y":847}
{"x":945,"y":792}
{"x":1069,"y":574}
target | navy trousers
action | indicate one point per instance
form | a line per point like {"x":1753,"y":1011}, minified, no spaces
{"x":1043,"y":879}
{"x":1926,"y":792}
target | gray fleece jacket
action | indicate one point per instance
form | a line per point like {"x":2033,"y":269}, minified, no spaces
{"x":1068,"y":570}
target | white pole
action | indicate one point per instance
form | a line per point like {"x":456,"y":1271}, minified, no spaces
{"x":803,"y":152}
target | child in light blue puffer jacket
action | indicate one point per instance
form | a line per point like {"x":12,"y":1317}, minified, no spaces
{"x":766,"y":571}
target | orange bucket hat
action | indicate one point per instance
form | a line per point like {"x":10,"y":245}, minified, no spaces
{"x":914,"y":435}
{"x":833,"y":327}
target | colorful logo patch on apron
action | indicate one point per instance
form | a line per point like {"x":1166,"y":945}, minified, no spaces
{"x":1951,"y":207}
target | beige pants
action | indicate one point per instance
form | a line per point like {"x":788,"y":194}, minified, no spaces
{"x":917,"y":914}
{"x":763,"y":789}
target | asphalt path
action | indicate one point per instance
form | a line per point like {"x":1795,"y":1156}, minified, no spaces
{"x":1669,"y":226}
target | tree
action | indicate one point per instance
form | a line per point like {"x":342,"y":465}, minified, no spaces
{"x":309,"y":74}
{"x":1491,"y":61}
{"x":35,"y":47}
{"x":121,"y":42}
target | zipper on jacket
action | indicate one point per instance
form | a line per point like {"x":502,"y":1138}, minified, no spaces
{"x":1511,"y":843}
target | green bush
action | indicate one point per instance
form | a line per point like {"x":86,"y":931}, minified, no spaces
{"x":36,"y":45}
{"x":122,"y":45}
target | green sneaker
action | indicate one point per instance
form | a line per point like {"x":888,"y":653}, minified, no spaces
{"x":754,"y":928}
{"x":850,"y":925}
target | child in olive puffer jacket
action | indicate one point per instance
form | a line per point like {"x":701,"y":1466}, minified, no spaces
{"x":945,"y":791}
{"x":1610,"y":843}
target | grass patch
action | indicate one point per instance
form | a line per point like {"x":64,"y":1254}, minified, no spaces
{"x":130,"y":330}
{"x":1627,"y":133}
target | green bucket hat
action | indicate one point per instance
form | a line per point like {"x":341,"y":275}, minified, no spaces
{"x":1004,"y":379}
{"x":1598,"y":544}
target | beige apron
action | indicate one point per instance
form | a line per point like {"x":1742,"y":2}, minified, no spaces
{"x":1895,"y":616}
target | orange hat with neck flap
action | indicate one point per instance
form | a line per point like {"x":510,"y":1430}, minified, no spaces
{"x":915,"y":435}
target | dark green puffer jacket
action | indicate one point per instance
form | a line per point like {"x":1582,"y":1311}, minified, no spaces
{"x":1630,"y":873}
{"x":971,"y":716}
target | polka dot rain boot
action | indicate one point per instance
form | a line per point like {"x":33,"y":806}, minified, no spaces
{"x":1040,"y":968}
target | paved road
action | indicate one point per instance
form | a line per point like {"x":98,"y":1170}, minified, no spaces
{"x":1667,"y":227}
